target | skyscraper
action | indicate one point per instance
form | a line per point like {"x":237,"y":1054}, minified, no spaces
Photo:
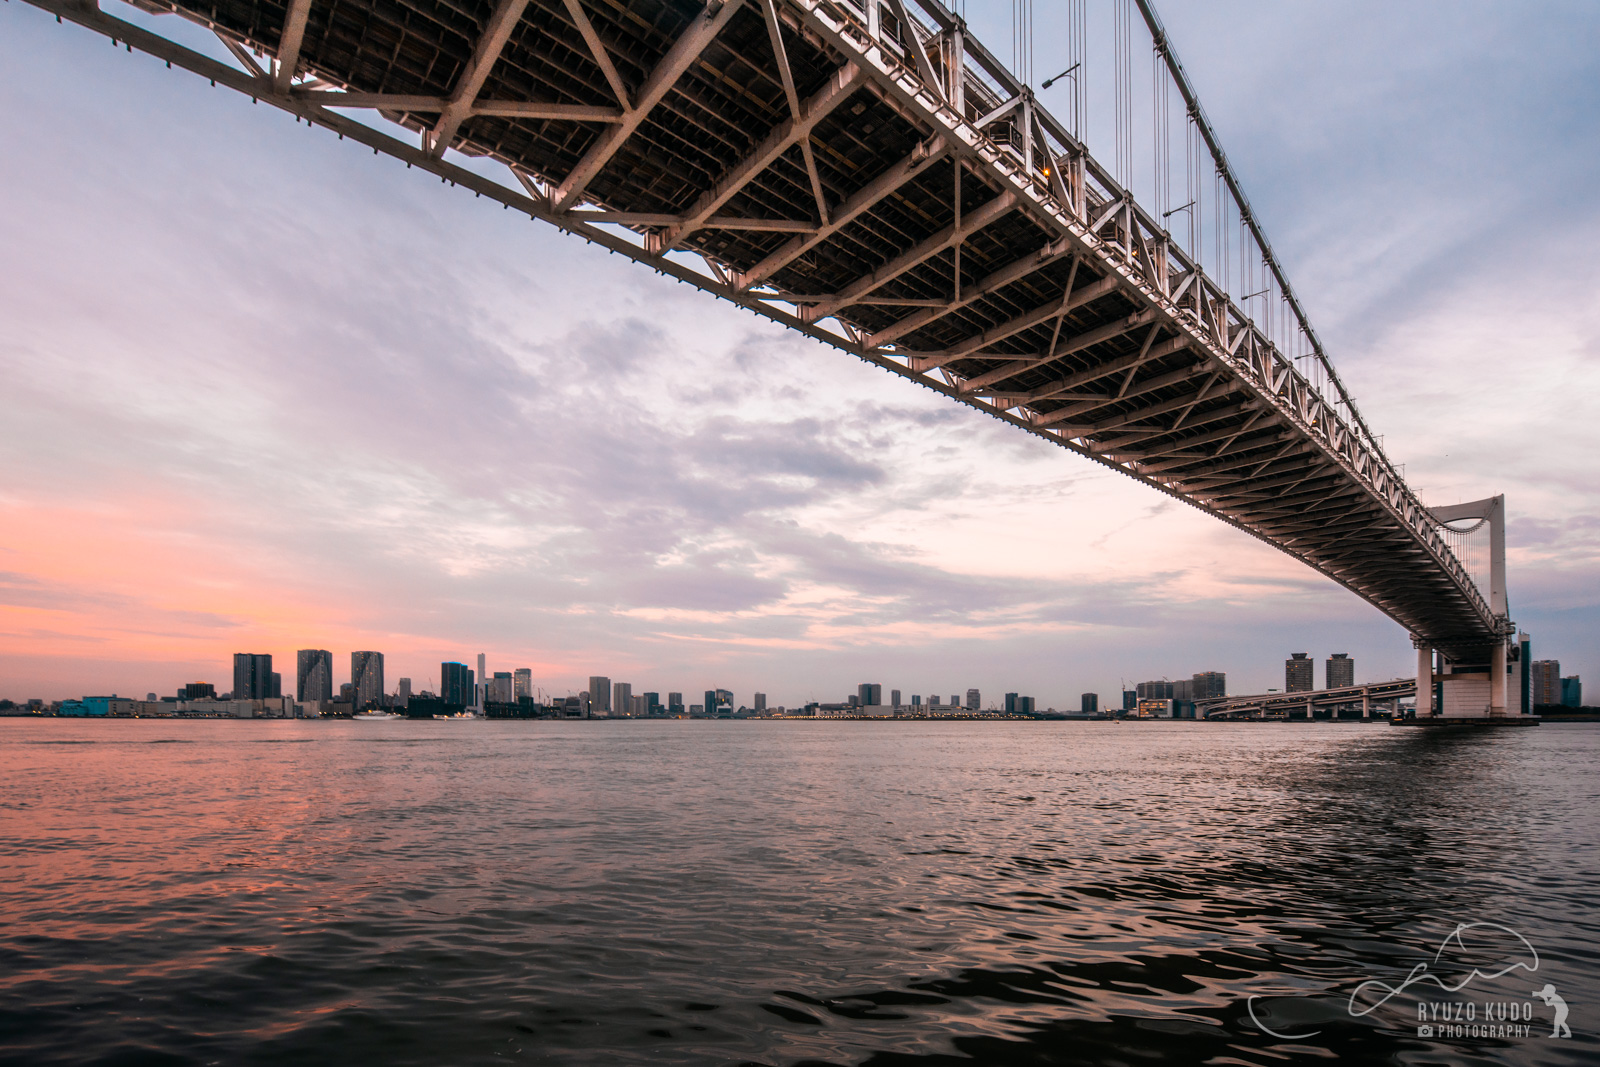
{"x":1297,"y":674}
{"x":973,"y":700}
{"x":1011,"y":703}
{"x":1339,"y":671}
{"x":502,"y":691}
{"x":599,"y":696}
{"x":455,"y":684}
{"x":1091,"y":703}
{"x":522,"y":684}
{"x":403,"y":695}
{"x":252,"y":676}
{"x":366,"y":679}
{"x":674,"y":703}
{"x":1546,"y":680}
{"x":869,"y":693}
{"x":622,"y":698}
{"x":313,"y":676}
{"x":483,"y":683}
{"x":894,"y":698}
{"x":761,"y":703}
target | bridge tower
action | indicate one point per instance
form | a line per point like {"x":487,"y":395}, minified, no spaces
{"x":1468,"y":679}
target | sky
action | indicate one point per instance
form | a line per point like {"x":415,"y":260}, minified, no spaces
{"x":267,"y":391}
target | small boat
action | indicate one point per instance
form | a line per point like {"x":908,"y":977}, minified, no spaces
{"x":374,"y":716}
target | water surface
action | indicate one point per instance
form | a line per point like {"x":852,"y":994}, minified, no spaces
{"x":786,"y":893}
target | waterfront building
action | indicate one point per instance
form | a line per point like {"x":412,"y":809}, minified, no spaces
{"x":973,"y":700}
{"x":1130,"y":699}
{"x":1208,"y":684}
{"x":1547,"y":681}
{"x":456,"y":684}
{"x":599,"y":696}
{"x":1025,"y":706}
{"x":522,"y":684}
{"x":761,"y":703}
{"x":1572,"y":692}
{"x":1011,"y":703}
{"x":894,"y":698}
{"x":252,"y":676}
{"x":366,"y":679}
{"x":675,"y":704}
{"x":1161,"y":690}
{"x":1297,"y":677}
{"x":1091,"y":703}
{"x":869,"y":693}
{"x":313,"y":676}
{"x":1339,"y":671}
{"x":197,"y":691}
{"x":652,"y":704}
{"x":402,"y":696}
{"x":501,"y":690}
{"x":622,"y":698}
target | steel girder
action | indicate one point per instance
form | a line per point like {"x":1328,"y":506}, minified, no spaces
{"x":878,"y":183}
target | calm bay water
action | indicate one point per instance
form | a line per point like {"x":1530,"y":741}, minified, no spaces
{"x":784,"y":893}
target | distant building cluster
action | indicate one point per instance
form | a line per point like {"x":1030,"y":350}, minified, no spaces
{"x":1552,"y":689}
{"x":1165,"y":699}
{"x":465,"y":692}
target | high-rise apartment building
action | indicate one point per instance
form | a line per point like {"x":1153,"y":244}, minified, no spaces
{"x":622,"y":698}
{"x":522,"y":684}
{"x":1011,"y":703}
{"x":313,"y":676}
{"x":1297,"y":676}
{"x":1130,"y":699}
{"x":456,"y":684}
{"x":252,"y":676}
{"x":366,"y":679}
{"x":501,"y":690}
{"x":674,"y":703}
{"x":1091,"y":703}
{"x":599,"y":696}
{"x":403,"y":694}
{"x":761,"y":702}
{"x":1546,"y":681}
{"x":1025,"y":705}
{"x":652,"y":704}
{"x":1208,"y":684}
{"x":894,"y":698}
{"x":974,"y":700}
{"x":1339,"y":671}
{"x":869,"y":693}
{"x":481,"y":691}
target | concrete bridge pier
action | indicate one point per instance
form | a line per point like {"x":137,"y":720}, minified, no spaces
{"x":1366,"y":704}
{"x":1497,"y":680}
{"x":1425,"y":708}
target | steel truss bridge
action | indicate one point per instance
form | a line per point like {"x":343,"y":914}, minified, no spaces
{"x":866,"y":172}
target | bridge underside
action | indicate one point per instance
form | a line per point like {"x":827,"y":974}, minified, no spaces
{"x":844,"y":172}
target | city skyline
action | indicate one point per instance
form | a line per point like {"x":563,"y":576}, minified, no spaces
{"x":822,"y":522}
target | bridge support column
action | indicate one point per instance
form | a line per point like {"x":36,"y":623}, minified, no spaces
{"x":1497,"y":680}
{"x":1424,"y":682}
{"x":1366,"y":704}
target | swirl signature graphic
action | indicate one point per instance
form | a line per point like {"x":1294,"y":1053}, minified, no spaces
{"x":1421,"y":973}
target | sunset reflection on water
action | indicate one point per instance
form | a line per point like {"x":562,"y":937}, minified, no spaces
{"x":780,"y":893}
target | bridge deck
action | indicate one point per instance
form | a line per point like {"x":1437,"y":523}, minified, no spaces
{"x":877,"y":168}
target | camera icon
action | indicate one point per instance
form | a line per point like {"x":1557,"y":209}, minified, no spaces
{"x":1424,"y":1031}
